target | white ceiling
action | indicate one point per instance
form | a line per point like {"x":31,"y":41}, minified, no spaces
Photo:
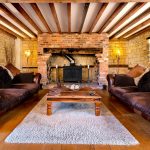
{"x":77,"y":14}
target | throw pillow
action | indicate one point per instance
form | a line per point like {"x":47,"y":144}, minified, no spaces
{"x":123,"y":80}
{"x":137,"y":79}
{"x":5,"y":79}
{"x":10,"y":74}
{"x":136,"y":71}
{"x":144,"y":83}
{"x":12,"y":69}
{"x":24,"y":78}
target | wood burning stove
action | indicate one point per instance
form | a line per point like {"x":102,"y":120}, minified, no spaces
{"x":72,"y":73}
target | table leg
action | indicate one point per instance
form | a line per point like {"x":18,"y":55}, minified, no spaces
{"x":97,"y":108}
{"x":49,"y":108}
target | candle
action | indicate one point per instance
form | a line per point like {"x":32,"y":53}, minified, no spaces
{"x":88,"y":66}
{"x":56,"y":66}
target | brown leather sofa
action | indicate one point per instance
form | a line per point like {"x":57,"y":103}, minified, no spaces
{"x":127,"y":92}
{"x":17,"y":92}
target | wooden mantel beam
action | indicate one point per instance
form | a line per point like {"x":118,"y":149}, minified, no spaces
{"x":53,"y":10}
{"x":13,"y":17}
{"x":10,"y":32}
{"x":67,"y":1}
{"x":39,"y":14}
{"x":102,"y":9}
{"x":26,"y":16}
{"x":13,"y":26}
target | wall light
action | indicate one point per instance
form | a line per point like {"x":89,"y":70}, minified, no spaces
{"x":27,"y":54}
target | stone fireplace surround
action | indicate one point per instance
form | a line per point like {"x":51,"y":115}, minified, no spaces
{"x":94,"y":40}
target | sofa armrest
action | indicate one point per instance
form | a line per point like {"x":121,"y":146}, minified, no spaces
{"x":37,"y":78}
{"x":110,"y":79}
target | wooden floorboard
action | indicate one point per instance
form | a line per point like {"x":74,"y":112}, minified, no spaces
{"x":138,"y":126}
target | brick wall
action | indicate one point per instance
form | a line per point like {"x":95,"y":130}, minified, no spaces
{"x":46,"y":40}
{"x":7,"y":47}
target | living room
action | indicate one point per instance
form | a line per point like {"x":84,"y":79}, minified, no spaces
{"x":75,"y":74}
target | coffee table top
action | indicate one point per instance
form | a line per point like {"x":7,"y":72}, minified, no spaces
{"x":67,"y":94}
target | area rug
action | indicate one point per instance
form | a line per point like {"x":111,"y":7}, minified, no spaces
{"x":72,"y":123}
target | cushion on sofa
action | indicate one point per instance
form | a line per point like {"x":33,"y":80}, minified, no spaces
{"x":144,"y":83}
{"x":123,"y":80}
{"x":24,"y":78}
{"x":5,"y":79}
{"x":12,"y":69}
{"x":136,"y":71}
{"x":31,"y":87}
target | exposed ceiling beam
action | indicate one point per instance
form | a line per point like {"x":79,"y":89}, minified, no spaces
{"x":8,"y":34}
{"x":13,"y":26}
{"x":130,"y":24}
{"x":26,"y":16}
{"x":10,"y":31}
{"x":67,"y":1}
{"x":138,"y":33}
{"x":114,"y":14}
{"x":69,"y":16}
{"x":86,"y":7}
{"x":39,"y":14}
{"x":13,"y":17}
{"x":102,"y":9}
{"x":127,"y":16}
{"x":52,"y":7}
{"x":147,"y":22}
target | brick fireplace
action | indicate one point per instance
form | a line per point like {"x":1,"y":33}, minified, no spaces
{"x":100,"y":41}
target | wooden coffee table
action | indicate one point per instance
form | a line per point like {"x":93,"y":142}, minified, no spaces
{"x":73,"y":97}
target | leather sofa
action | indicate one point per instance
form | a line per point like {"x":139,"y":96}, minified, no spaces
{"x":17,"y":93}
{"x":130,"y":95}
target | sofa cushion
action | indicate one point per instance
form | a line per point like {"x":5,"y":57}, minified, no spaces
{"x":144,"y":83}
{"x":5,"y":79}
{"x":12,"y":69}
{"x":119,"y":91}
{"x":31,"y":87}
{"x":136,"y":71}
{"x":139,"y":100}
{"x":11,"y":97}
{"x":24,"y":78}
{"x":123,"y":80}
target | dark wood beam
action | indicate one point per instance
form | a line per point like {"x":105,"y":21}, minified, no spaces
{"x":26,"y":16}
{"x":114,"y":14}
{"x":136,"y":28}
{"x":86,"y":7}
{"x":13,"y":17}
{"x":69,"y":16}
{"x":13,"y":26}
{"x":67,"y":1}
{"x":130,"y":24}
{"x":10,"y":31}
{"x":127,"y":16}
{"x":39,"y":14}
{"x":102,"y":9}
{"x":138,"y":33}
{"x":52,"y":7}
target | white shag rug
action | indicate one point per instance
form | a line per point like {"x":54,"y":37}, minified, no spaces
{"x":74,"y":123}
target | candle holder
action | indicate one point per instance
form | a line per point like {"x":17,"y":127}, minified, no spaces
{"x":88,"y":66}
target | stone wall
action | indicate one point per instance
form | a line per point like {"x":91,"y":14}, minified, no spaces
{"x":114,"y":46}
{"x":31,"y":64}
{"x":138,"y":50}
{"x":101,"y":41}
{"x":7,"y":48}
